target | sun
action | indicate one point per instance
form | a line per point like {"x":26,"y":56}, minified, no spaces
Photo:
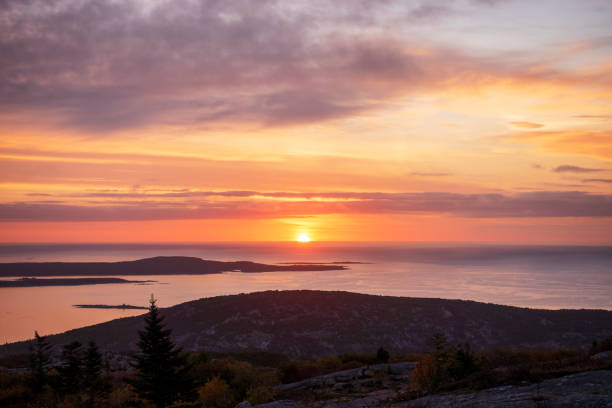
{"x":303,"y":238}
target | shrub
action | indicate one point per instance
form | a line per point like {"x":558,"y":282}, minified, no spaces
{"x":216,"y":394}
{"x":12,"y":390}
{"x":599,"y":347}
{"x":260,"y":395}
{"x":119,"y":396}
{"x":332,"y":363}
{"x":297,"y":370}
{"x":442,"y":366}
{"x":424,"y":378}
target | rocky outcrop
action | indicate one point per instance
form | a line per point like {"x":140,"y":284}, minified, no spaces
{"x":357,"y":381}
{"x":601,"y":356}
{"x":591,"y":389}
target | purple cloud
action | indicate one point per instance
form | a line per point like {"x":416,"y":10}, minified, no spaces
{"x":103,"y":66}
{"x":597,"y":180}
{"x":137,"y":207}
{"x":575,"y":169}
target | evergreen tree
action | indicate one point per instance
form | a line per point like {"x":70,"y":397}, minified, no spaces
{"x":163,"y":373}
{"x":71,"y":369}
{"x":382,"y":355}
{"x":40,"y":358}
{"x":93,"y":381}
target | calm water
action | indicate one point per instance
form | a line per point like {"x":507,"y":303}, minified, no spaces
{"x":535,"y":276}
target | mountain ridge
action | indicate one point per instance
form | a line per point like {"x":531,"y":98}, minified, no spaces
{"x":304,"y":323}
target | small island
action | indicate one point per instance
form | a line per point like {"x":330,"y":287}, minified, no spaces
{"x":122,"y":306}
{"x":32,"y":282}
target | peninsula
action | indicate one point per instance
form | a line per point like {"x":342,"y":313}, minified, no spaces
{"x":161,"y":265}
{"x":123,"y":306}
{"x":31,"y":282}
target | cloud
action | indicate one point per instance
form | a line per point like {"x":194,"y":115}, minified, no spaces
{"x":593,"y":116}
{"x":596,"y":180}
{"x":575,"y":169}
{"x":113,"y":65}
{"x":105,"y":66}
{"x":429,"y":174}
{"x":134,"y":207}
{"x":527,"y":125}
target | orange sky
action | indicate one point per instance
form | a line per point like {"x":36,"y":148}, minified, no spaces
{"x":225,"y":121}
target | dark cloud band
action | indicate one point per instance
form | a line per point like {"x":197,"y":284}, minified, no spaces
{"x":161,"y":207}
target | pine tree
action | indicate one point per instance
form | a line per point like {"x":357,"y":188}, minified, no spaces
{"x":382,"y":355}
{"x":93,"y":381}
{"x":71,"y":369}
{"x":163,"y":373}
{"x":40,"y":358}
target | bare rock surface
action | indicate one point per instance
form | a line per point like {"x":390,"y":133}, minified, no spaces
{"x":592,"y":389}
{"x":351,"y":378}
{"x":602,"y":355}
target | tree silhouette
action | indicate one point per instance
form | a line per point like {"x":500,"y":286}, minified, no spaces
{"x":40,"y":357}
{"x":71,"y":369}
{"x":93,"y":382}
{"x":163,"y":373}
{"x":382,"y":355}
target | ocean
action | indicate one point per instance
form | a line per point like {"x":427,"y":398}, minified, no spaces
{"x":552,"y":277}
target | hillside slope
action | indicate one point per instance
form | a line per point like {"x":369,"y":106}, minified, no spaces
{"x":316,"y":323}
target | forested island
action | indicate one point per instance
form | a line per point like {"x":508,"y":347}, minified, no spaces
{"x":160,"y":265}
{"x":33,"y":282}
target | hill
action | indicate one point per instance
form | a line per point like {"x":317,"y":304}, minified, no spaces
{"x":318,"y":323}
{"x":160,"y":265}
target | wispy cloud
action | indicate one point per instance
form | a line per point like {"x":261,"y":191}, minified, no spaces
{"x":527,"y":125}
{"x":566,"y":168}
{"x":602,"y":117}
{"x":597,"y":180}
{"x":429,"y":174}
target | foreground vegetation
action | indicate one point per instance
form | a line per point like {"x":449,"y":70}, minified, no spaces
{"x":161,"y":375}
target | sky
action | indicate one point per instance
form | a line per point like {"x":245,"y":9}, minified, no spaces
{"x":351,"y":120}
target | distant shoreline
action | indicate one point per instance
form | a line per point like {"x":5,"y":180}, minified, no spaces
{"x":161,"y":265}
{"x":123,"y":306}
{"x":34,"y":282}
{"x":326,"y":263}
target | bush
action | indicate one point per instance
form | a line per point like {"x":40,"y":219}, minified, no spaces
{"x":260,"y":395}
{"x":216,"y":394}
{"x":444,"y":365}
{"x":120,"y":396}
{"x":361,"y":358}
{"x":332,"y":363}
{"x":599,"y":347}
{"x":296,"y":370}
{"x":424,"y":378}
{"x":13,"y":390}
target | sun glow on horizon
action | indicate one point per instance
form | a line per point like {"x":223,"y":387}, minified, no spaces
{"x":303,"y":237}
